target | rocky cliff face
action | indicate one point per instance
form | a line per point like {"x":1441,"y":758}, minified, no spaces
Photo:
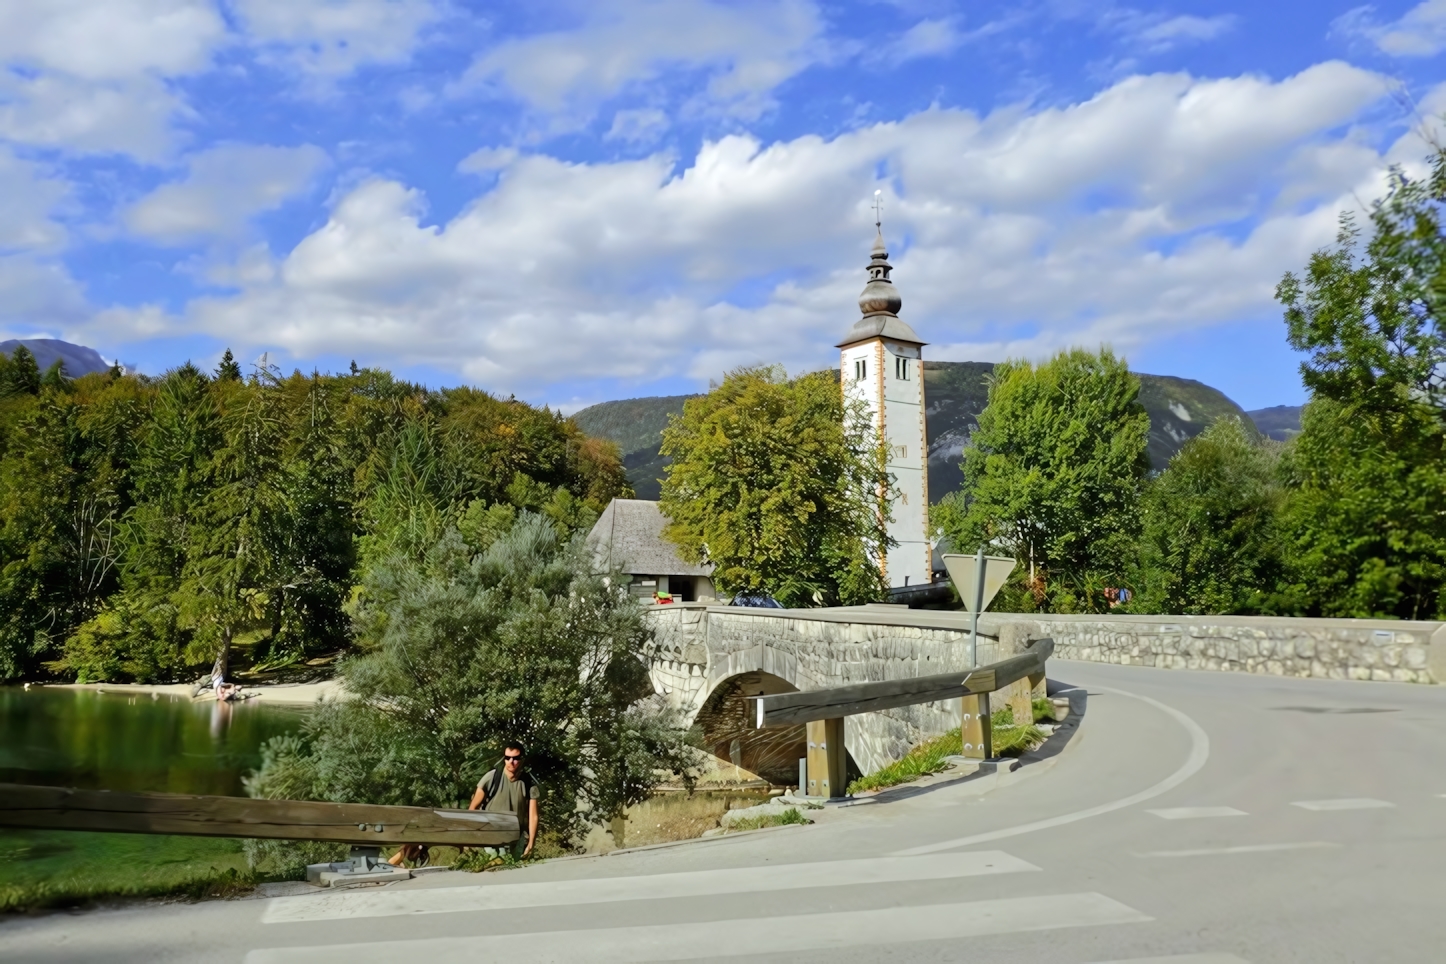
{"x":954,"y":393}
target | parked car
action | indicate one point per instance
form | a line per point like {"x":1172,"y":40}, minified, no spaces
{"x":758,"y":600}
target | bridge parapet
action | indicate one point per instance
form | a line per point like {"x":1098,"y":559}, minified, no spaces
{"x":700,"y":648}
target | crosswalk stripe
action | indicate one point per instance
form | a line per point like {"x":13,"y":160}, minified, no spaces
{"x":1195,"y":813}
{"x":1246,"y":849}
{"x":736,"y":938}
{"x":1184,"y":959}
{"x":1348,"y":803}
{"x":510,"y":894}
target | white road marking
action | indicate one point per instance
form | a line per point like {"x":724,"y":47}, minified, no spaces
{"x":1199,"y":754}
{"x":1349,"y":803}
{"x":506,"y":895}
{"x":736,"y":938}
{"x":1193,"y":813}
{"x":1245,"y":849}
{"x":1184,"y":959}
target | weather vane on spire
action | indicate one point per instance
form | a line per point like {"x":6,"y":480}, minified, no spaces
{"x":879,"y":209}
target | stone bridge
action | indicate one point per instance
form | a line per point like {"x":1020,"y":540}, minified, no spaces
{"x":705,"y":659}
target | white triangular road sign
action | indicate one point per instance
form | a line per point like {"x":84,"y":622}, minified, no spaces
{"x":961,"y":573}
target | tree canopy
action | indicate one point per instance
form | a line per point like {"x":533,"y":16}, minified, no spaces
{"x":778,"y":485}
{"x":1366,"y":521}
{"x":148,"y":524}
{"x":1053,"y":475}
{"x":507,"y":635}
{"x":1210,"y":539}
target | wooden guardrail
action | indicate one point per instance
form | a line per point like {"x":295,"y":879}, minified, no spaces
{"x":824,"y":710}
{"x":59,"y":808}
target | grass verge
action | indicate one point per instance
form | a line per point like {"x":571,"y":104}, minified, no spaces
{"x":922,"y":760}
{"x":787,"y":818}
{"x":928,"y":757}
{"x":60,"y":868}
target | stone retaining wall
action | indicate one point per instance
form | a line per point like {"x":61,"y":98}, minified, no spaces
{"x":1361,"y":649}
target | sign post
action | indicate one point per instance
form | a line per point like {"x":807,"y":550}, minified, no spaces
{"x":978,"y":579}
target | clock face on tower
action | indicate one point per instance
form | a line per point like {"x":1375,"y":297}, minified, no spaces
{"x":882,"y":367}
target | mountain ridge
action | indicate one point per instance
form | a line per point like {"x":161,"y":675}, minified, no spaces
{"x":77,"y":359}
{"x":954,"y":395}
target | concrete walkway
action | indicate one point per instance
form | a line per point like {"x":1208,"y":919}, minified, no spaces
{"x":1197,"y":817}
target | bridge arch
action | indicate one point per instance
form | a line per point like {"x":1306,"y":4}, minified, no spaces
{"x":726,"y":719}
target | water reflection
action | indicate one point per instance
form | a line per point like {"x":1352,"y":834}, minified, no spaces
{"x":81,"y":738}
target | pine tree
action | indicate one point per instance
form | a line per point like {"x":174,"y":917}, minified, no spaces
{"x":55,"y":377}
{"x":228,"y":370}
{"x":22,"y":375}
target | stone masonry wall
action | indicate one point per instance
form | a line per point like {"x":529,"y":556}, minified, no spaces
{"x":696,"y":647}
{"x":1360,"y":649}
{"x":817,"y":649}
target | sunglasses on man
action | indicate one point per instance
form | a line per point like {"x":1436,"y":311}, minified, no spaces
{"x":512,"y":759}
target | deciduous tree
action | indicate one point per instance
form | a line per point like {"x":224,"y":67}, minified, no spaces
{"x":1052,"y":476}
{"x":780,"y":487}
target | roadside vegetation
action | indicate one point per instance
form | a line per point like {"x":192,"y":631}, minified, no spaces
{"x":930,"y":756}
{"x":56,"y":868}
{"x":1347,"y":519}
{"x":494,"y":635}
{"x":788,"y":818}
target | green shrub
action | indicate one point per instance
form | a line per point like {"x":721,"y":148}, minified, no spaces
{"x":788,"y":818}
{"x":922,"y":760}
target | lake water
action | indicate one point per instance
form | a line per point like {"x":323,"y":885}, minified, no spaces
{"x":81,"y":738}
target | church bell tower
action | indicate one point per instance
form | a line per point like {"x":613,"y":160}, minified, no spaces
{"x":882,"y":365}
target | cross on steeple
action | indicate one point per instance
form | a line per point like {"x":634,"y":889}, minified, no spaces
{"x":879,"y":209}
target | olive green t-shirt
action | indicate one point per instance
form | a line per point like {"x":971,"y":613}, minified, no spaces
{"x":511,"y":796}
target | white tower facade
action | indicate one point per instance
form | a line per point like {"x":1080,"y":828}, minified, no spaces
{"x":882,"y":364}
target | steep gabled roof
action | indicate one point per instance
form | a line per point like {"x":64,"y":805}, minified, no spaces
{"x":629,"y":536}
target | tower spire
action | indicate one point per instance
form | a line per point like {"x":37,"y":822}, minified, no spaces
{"x":879,"y":302}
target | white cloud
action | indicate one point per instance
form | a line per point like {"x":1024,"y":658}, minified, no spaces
{"x":928,"y":38}
{"x":36,"y":291}
{"x":114,"y":40}
{"x":90,"y":77}
{"x":641,"y":126}
{"x":1420,"y":32}
{"x":27,"y":199}
{"x":487,"y":159}
{"x":331,"y":38}
{"x":564,"y":272}
{"x":1153,"y":32}
{"x":224,"y":187}
{"x":55,"y":110}
{"x":745,"y":49}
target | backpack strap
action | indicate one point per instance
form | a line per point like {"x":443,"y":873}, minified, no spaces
{"x":496,"y":783}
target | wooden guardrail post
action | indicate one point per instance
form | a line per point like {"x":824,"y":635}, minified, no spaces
{"x":975,"y":727}
{"x":1021,"y":701}
{"x":827,"y":759}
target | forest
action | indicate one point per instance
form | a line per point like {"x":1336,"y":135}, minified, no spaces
{"x":148,"y":524}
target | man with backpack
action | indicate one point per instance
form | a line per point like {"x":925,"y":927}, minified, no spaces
{"x":510,"y":789}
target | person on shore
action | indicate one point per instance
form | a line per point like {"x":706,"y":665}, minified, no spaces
{"x":511,"y":791}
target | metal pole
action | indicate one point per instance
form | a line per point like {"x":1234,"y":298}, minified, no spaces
{"x":978,"y":605}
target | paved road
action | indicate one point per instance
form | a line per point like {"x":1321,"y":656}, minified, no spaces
{"x":1196,"y":818}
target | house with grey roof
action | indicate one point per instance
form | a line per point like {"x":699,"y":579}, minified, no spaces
{"x":629,"y":536}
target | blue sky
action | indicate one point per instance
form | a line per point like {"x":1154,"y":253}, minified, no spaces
{"x":581,"y":201}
